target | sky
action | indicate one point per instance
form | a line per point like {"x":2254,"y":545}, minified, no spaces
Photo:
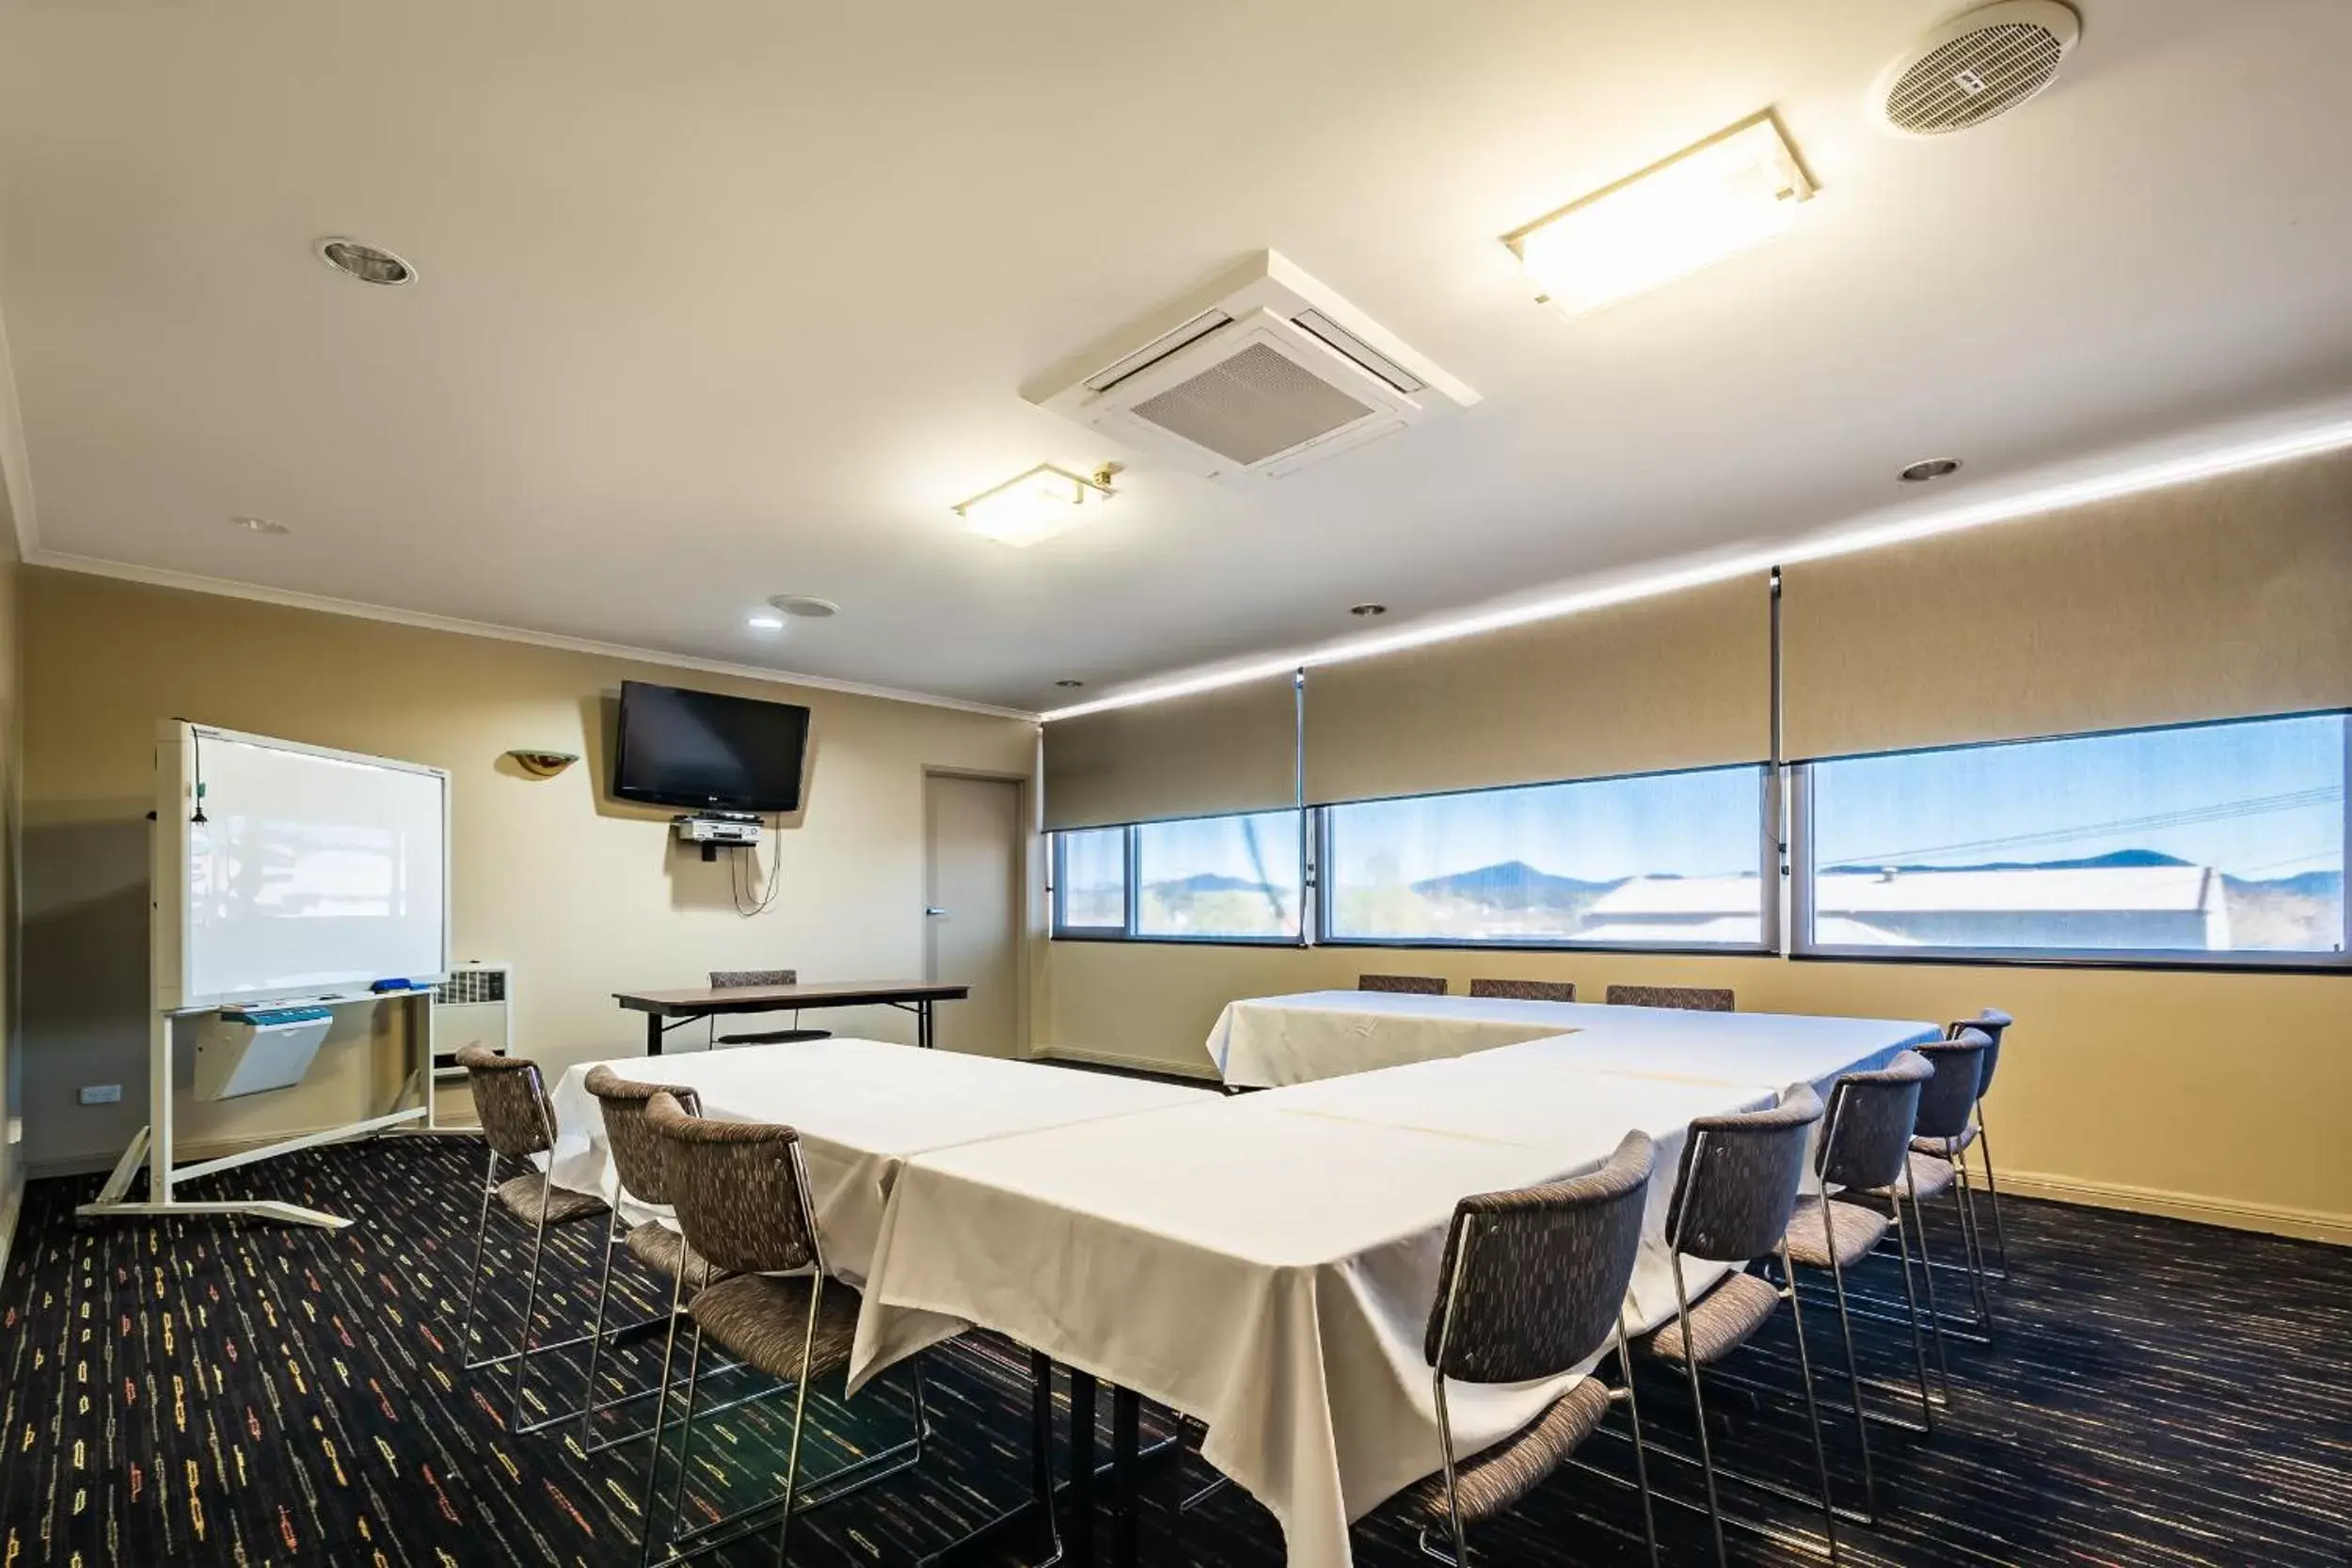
{"x":2262,"y":799}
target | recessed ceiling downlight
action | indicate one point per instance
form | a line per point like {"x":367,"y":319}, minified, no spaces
{"x":368,"y":263}
{"x":1933,"y":468}
{"x":260,"y":525}
{"x":1367,"y":611}
{"x":1067,"y":683}
{"x":805,"y":605}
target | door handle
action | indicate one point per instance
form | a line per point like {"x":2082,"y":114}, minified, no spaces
{"x":934,"y":910}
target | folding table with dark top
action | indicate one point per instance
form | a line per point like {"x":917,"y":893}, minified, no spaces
{"x":665,"y":1011}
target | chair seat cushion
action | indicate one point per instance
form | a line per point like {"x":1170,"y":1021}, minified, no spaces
{"x":762,"y":1319}
{"x":1721,"y":1321}
{"x":1930,"y":1177}
{"x":662,"y":1249}
{"x":1492,"y":1479}
{"x":522,"y":1197}
{"x":1941,"y":1146}
{"x":1856,"y":1229}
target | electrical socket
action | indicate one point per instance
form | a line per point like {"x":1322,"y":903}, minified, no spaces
{"x":16,"y":1131}
{"x":101,"y":1094}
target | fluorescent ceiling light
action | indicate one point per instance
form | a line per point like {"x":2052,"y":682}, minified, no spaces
{"x":1037,"y":505}
{"x":1736,"y":189}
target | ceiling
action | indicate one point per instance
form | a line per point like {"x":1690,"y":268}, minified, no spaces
{"x":726,"y":299}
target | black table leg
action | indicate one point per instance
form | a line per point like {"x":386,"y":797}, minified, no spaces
{"x":1126,"y":1409}
{"x":653,"y":1034}
{"x":923,"y":1023}
{"x":1081,"y":1468}
{"x":985,"y":1541}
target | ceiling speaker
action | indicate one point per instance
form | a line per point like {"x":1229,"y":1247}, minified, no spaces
{"x":1979,"y":65}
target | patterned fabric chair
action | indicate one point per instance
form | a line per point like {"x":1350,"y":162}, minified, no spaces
{"x":519,"y":1123}
{"x":1735,"y":1193}
{"x":1948,"y":1104}
{"x":1993,"y":1025}
{"x":1532,"y":1285}
{"x":741,"y":1195}
{"x":637,"y":1162}
{"x":1693,"y":999}
{"x":1409,"y":985}
{"x":1864,"y":1147}
{"x":740,"y":979}
{"x":1526,"y":990}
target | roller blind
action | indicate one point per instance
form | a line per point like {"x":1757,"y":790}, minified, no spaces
{"x":1681,"y":680}
{"x":2224,"y":599}
{"x":1233,"y":749}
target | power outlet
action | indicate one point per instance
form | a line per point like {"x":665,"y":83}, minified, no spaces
{"x":101,"y":1094}
{"x":16,"y":1131}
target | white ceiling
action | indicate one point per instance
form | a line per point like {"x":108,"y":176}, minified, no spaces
{"x":729,"y":299}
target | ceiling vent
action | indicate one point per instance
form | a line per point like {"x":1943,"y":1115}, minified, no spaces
{"x":1979,"y":65}
{"x":1260,"y":375}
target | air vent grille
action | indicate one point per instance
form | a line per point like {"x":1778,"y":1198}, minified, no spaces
{"x":1251,"y":406}
{"x":1985,"y":65}
{"x":1341,"y":341}
{"x":465,"y":985}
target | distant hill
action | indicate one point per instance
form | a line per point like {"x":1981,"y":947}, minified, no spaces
{"x":1514,"y":885}
{"x":1205,"y":881}
{"x":2306,"y":884}
{"x":2112,"y":860}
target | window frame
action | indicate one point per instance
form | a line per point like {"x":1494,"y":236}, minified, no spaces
{"x":1059,"y":930}
{"x":1132,"y":931}
{"x":1802,"y":949}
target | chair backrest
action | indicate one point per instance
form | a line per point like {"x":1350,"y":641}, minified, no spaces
{"x":1991,"y":1024}
{"x":511,"y":1098}
{"x":738,"y":1189}
{"x":1947,"y":1099}
{"x":739,"y":979}
{"x":1526,"y":990}
{"x":1697,"y":999}
{"x":1412,"y":985}
{"x":637,"y":1151}
{"x":1738,"y":1183}
{"x":1533,"y":1280}
{"x":1866,"y":1132}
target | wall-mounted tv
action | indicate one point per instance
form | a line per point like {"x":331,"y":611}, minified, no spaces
{"x":702,"y":751}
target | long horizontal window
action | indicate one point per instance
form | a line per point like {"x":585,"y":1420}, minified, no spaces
{"x":1221,"y":878}
{"x":1670,"y":860}
{"x":2214,"y":842}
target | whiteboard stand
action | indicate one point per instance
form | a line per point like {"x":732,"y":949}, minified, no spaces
{"x":220,"y":932}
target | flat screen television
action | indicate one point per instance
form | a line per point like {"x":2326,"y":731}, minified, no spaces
{"x":702,"y":751}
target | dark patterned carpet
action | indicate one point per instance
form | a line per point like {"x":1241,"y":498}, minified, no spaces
{"x":199,"y":1392}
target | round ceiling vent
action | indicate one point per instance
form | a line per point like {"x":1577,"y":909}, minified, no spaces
{"x":1979,"y":64}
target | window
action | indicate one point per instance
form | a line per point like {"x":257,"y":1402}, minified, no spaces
{"x":1232,"y":879}
{"x":1090,"y":881}
{"x":2213,"y":839}
{"x":1670,"y":860}
{"x":1220,"y":876}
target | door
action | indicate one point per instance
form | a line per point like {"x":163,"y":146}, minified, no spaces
{"x":972,"y":915}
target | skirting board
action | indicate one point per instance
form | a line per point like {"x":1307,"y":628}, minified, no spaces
{"x":2311,"y":1225}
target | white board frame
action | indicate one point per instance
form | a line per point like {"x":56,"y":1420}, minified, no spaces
{"x":172,"y":1011}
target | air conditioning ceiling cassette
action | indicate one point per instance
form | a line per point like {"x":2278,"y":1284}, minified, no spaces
{"x":1261,"y":374}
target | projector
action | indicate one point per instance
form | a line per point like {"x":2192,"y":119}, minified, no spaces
{"x":713,"y":832}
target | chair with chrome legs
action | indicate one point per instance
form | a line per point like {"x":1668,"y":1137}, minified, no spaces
{"x":1693,"y":999}
{"x":1532,"y":1286}
{"x":519,"y":1123}
{"x":1408,"y":985}
{"x":742,"y":1194}
{"x":1947,"y":1104}
{"x":1993,"y":1025}
{"x":637,"y":1164}
{"x":738,"y":979}
{"x":1864,"y":1147}
{"x":1733,"y":1198}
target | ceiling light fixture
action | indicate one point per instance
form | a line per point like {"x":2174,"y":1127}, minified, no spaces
{"x":2234,"y":457}
{"x":1035,"y":506}
{"x":1734,"y":190}
{"x":1367,"y":611}
{"x":261,"y":525}
{"x":368,"y":263}
{"x":1067,"y":683}
{"x":805,"y":607}
{"x":1934,"y":467}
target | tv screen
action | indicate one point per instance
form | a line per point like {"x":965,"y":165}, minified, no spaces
{"x":699,"y":750}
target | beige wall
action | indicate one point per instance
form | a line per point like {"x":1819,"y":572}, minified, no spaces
{"x":2216,"y":1097}
{"x":581,"y":894}
{"x":11,"y":1163}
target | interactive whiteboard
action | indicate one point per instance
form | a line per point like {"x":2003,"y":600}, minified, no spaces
{"x":310,"y":872}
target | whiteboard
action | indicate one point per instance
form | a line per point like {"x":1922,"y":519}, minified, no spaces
{"x":315,"y":872}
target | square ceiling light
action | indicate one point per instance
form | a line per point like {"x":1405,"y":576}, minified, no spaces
{"x":1037,"y":505}
{"x":1734,"y":190}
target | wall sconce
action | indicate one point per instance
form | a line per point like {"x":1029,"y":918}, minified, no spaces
{"x":543,"y":765}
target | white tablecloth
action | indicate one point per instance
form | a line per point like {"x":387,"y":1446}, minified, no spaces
{"x":862,"y":1108}
{"x":1266,"y":1041}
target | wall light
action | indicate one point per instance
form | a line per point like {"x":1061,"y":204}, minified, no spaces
{"x":1736,"y":189}
{"x":1037,"y":505}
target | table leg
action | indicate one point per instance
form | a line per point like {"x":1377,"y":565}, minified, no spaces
{"x":1081,"y":1543}
{"x":653,"y":1034}
{"x":1126,"y":1409}
{"x":923,"y":1023}
{"x":985,"y":1543}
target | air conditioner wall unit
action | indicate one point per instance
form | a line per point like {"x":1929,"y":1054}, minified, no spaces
{"x":473,"y":1006}
{"x":1261,"y":374}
